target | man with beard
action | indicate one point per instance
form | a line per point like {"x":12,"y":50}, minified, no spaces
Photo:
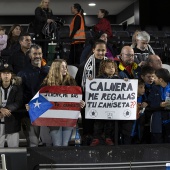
{"x":20,"y":59}
{"x":127,"y":68}
{"x":32,"y":78}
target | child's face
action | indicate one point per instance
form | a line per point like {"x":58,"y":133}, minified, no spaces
{"x":99,"y":51}
{"x":2,"y":32}
{"x":6,"y":77}
{"x":63,"y":69}
{"x":110,"y":69}
{"x":157,"y":80}
{"x":141,"y":89}
{"x":148,"y":78}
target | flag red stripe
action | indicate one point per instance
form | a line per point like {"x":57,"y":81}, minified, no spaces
{"x":65,"y":106}
{"x":55,"y":122}
{"x":61,"y":89}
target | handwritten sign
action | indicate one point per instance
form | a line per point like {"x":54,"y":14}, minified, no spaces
{"x":111,"y":99}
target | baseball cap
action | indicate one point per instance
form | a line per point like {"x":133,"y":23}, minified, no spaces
{"x":6,"y":68}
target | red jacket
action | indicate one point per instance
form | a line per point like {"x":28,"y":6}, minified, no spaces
{"x":104,"y":25}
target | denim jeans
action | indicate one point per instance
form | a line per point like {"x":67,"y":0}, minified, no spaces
{"x":61,"y":136}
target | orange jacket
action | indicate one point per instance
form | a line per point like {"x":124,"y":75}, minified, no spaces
{"x":80,"y":34}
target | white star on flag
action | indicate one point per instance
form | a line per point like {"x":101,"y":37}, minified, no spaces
{"x":37,"y":104}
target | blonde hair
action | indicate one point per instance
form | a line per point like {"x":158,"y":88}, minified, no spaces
{"x":134,"y":38}
{"x":41,"y":5}
{"x":54,"y":77}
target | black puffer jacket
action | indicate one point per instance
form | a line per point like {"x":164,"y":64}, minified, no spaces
{"x":14,"y":103}
{"x":41,"y":16}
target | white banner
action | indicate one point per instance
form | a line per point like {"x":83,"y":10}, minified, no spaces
{"x":111,"y":99}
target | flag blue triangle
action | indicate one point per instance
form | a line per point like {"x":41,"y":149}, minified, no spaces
{"x":38,"y":106}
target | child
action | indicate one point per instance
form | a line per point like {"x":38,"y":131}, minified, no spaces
{"x":107,"y":70}
{"x":3,"y":39}
{"x":160,"y":119}
{"x":11,"y":100}
{"x":147,"y":75}
{"x":138,"y":126}
{"x":89,"y":70}
{"x":58,"y":76}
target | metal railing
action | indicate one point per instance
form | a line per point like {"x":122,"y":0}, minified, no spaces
{"x":3,"y":162}
{"x":105,"y":166}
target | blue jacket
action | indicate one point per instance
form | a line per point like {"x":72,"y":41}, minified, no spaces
{"x":135,"y":72}
{"x":159,"y":114}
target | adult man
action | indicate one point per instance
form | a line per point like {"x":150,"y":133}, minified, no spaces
{"x":19,"y":59}
{"x":126,"y":66}
{"x":154,"y":61}
{"x":32,"y":77}
{"x":127,"y":69}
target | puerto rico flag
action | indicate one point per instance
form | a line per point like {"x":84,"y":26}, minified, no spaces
{"x":56,"y":106}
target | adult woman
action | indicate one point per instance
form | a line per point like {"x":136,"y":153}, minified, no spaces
{"x":58,"y":76}
{"x":13,"y":41}
{"x":103,"y":24}
{"x":142,"y":48}
{"x":43,"y":15}
{"x":77,"y":32}
{"x":134,"y":38}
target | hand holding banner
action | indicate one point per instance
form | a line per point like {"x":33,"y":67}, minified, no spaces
{"x":56,"y":106}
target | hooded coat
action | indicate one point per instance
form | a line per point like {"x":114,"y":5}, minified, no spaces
{"x":14,"y":103}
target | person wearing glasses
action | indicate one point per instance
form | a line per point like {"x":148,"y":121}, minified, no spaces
{"x":126,"y":65}
{"x":127,"y":68}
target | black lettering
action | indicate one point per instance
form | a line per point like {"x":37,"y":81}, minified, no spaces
{"x":100,"y":104}
{"x":129,"y":88}
{"x":123,"y":87}
{"x":117,"y":86}
{"x":103,"y":96}
{"x":93,"y":96}
{"x":100,"y":87}
{"x":91,"y":86}
{"x":133,"y":96}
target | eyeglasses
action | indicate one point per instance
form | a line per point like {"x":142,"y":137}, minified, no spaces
{"x":35,"y":54}
{"x":129,"y":55}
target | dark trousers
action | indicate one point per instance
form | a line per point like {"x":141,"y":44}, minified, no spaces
{"x":126,"y":130}
{"x":156,"y":138}
{"x":103,"y":127}
{"x":75,"y":53}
